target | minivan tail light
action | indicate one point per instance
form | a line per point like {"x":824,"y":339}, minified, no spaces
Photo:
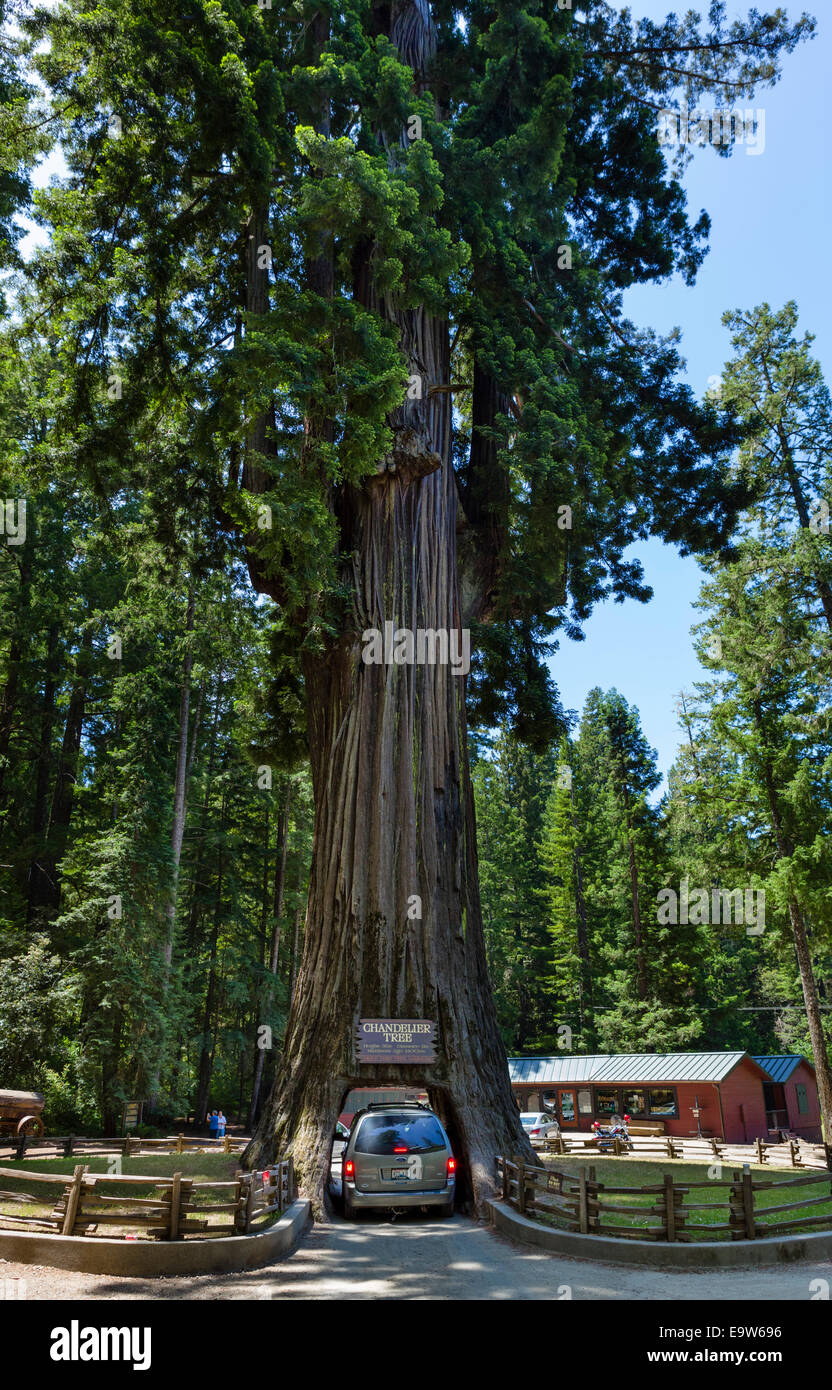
{"x":349,"y":1168}
{"x":400,"y":1149}
{"x":534,"y":1131}
{"x":451,"y":1165}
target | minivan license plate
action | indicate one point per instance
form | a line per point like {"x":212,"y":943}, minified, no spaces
{"x":399,"y":1173}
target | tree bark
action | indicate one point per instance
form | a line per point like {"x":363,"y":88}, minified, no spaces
{"x":785,"y":850}
{"x":180,"y":786}
{"x":206,"y":1052}
{"x":63,"y":794}
{"x":295,"y":954}
{"x":195,"y":908}
{"x":17,"y":647}
{"x":394,"y":809}
{"x":582,"y":933}
{"x":180,"y":793}
{"x":638,"y":933}
{"x":39,"y":884}
{"x":281,"y":848}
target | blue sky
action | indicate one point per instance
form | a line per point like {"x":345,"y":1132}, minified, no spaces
{"x":770,"y":240}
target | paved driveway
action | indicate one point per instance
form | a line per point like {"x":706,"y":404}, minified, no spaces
{"x":417,"y":1257}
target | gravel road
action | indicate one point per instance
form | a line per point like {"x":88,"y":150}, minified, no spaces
{"x":417,"y":1257}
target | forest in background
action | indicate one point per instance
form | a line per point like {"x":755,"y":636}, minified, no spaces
{"x":169,"y":389}
{"x":145,"y":748}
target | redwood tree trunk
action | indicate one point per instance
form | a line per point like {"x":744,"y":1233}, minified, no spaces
{"x":394,"y":817}
{"x":394,"y":810}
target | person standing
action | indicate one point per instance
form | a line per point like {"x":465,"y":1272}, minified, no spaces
{"x":220,"y":1126}
{"x":213,"y":1124}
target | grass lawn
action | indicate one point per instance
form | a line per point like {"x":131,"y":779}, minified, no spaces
{"x":210,"y":1167}
{"x":633,"y":1172}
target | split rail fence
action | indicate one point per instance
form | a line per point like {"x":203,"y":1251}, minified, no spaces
{"x":103,"y":1205}
{"x":576,"y":1201}
{"x":64,"y":1145}
{"x":793,"y":1153}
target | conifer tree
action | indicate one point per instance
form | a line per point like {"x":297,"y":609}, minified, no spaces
{"x":283,"y":234}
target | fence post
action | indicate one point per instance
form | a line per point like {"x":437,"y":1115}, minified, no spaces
{"x":175,"y":1199}
{"x":593,"y":1220}
{"x":249,"y":1201}
{"x":180,"y":1143}
{"x":21,"y":1144}
{"x":669,"y":1208}
{"x":521,"y":1187}
{"x":291,"y":1189}
{"x":238,"y":1201}
{"x":735,"y":1214}
{"x":748,"y":1201}
{"x":761,"y":1158}
{"x":583,"y":1203}
{"x":505,"y":1178}
{"x":73,"y":1197}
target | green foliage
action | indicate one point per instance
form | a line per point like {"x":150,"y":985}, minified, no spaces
{"x":169,"y":428}
{"x":36,"y":1005}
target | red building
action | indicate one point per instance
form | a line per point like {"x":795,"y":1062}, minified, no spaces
{"x":739,"y":1098}
{"x":791,"y":1095}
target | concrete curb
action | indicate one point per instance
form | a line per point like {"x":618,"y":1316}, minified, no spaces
{"x":706,"y":1254}
{"x":145,"y":1258}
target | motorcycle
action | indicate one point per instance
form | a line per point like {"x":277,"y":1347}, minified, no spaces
{"x":606,"y":1135}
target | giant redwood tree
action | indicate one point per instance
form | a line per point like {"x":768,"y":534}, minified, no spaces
{"x":351,"y":275}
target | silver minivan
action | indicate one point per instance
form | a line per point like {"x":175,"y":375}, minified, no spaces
{"x":398,"y":1155}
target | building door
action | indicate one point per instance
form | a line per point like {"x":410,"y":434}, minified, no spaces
{"x":568,"y":1109}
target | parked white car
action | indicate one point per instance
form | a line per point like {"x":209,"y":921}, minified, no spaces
{"x":539,"y":1124}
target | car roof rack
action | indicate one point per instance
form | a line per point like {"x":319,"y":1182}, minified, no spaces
{"x":398,"y":1105}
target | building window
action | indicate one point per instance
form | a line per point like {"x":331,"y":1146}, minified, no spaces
{"x":634,"y":1103}
{"x":606,"y":1102}
{"x":567,"y":1107}
{"x":585,"y":1102}
{"x":662,"y":1101}
{"x":802,"y":1100}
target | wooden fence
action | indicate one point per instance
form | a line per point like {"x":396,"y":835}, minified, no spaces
{"x":102,"y":1204}
{"x":64,"y":1145}
{"x":576,"y":1201}
{"x":794,"y":1153}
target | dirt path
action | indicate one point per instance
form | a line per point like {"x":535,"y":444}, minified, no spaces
{"x":419,"y":1258}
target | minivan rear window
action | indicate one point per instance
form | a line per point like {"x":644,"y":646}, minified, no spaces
{"x":382,"y":1134}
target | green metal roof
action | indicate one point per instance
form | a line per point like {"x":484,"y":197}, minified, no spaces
{"x":625,"y":1067}
{"x":781,"y":1066}
{"x":668,"y":1066}
{"x":545,"y":1071}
